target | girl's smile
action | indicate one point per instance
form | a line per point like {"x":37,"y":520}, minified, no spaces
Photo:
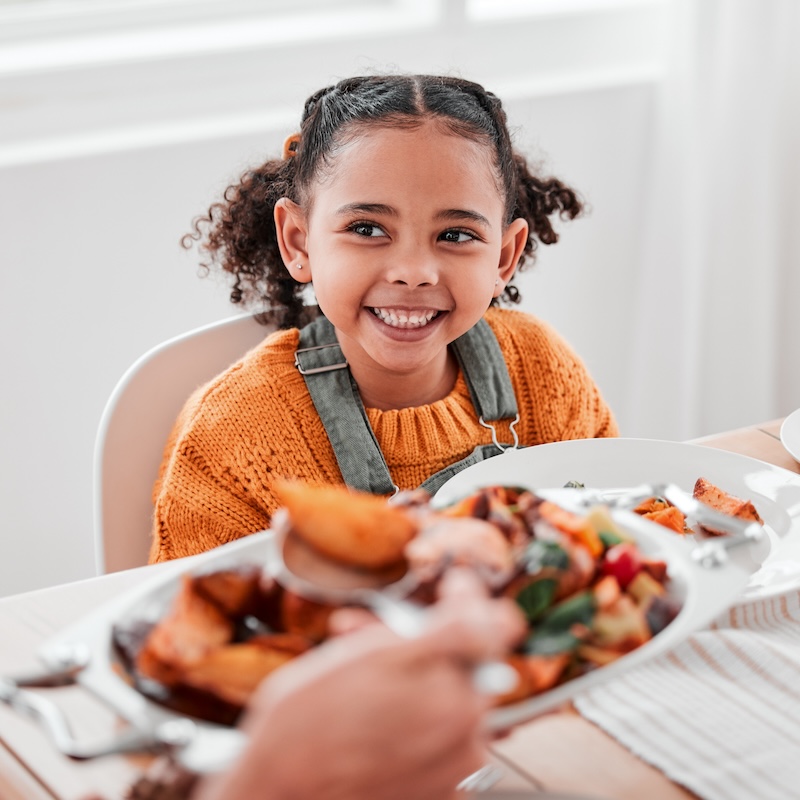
{"x":403,"y":318}
{"x":404,"y":325}
{"x":405,"y":244}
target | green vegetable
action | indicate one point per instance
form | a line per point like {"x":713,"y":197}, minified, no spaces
{"x":609,"y":538}
{"x":540,"y":554}
{"x":551,"y":644}
{"x":580,"y":608}
{"x":555,"y":633}
{"x":535,"y":598}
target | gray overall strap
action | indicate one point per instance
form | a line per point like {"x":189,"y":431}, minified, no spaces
{"x":336,"y":398}
{"x":486,"y":373}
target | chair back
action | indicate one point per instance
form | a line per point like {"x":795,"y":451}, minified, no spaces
{"x":136,"y":423}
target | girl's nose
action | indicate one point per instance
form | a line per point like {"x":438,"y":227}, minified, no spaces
{"x":413,"y":269}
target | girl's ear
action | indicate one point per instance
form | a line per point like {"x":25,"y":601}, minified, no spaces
{"x":515,"y":237}
{"x":292,"y":232}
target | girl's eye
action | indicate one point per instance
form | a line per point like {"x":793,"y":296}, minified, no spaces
{"x":366,"y":229}
{"x":457,"y":237}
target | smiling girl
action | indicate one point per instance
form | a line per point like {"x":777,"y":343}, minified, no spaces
{"x":403,"y":204}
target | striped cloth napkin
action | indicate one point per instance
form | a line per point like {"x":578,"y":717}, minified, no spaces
{"x":719,"y":714}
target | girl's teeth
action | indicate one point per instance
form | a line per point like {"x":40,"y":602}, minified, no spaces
{"x":404,"y":319}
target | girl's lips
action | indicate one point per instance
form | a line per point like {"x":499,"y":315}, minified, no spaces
{"x":405,"y":319}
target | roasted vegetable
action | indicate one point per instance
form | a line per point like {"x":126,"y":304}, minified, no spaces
{"x":351,"y":527}
{"x":726,"y":503}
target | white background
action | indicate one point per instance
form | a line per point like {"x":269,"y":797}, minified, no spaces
{"x":119,"y":122}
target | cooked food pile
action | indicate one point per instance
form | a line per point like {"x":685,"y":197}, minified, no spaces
{"x":713,"y":496}
{"x":660,"y":510}
{"x":589,"y":594}
{"x":223,"y":633}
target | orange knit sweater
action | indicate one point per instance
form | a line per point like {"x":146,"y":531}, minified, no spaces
{"x":255,"y":422}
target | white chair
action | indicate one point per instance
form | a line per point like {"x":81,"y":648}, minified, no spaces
{"x":135,"y":426}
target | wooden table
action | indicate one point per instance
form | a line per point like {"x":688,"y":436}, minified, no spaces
{"x":559,"y":751}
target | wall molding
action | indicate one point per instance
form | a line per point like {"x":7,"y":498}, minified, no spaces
{"x":255,"y":76}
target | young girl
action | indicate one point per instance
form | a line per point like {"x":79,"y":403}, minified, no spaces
{"x":403,"y":204}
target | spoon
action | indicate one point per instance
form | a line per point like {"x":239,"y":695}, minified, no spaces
{"x":64,"y":666}
{"x":306,"y":572}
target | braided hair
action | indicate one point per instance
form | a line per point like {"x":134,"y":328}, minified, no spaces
{"x":238,"y":233}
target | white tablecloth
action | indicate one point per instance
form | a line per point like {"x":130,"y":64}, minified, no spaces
{"x":720,"y":714}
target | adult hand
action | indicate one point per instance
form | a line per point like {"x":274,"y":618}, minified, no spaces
{"x":370,"y":716}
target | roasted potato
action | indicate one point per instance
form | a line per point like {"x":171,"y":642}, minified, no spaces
{"x":706,"y":492}
{"x":354,"y":528}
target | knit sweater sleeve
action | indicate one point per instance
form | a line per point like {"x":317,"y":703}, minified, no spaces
{"x":558,"y":398}
{"x":195,"y":509}
{"x":211,"y":516}
{"x":234,"y":439}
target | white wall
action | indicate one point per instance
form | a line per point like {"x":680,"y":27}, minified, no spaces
{"x":107,"y":156}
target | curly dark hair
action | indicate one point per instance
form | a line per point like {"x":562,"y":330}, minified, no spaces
{"x":238,"y":233}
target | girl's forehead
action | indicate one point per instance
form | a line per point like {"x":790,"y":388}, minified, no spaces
{"x":407,"y":138}
{"x":425,"y":156}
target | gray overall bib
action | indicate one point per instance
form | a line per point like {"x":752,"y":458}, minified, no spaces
{"x":335,"y":395}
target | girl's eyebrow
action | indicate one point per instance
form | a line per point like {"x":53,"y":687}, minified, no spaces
{"x":366,"y":208}
{"x":463,"y":213}
{"x":381,"y":208}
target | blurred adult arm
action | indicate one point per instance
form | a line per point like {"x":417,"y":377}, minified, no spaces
{"x":370,"y":716}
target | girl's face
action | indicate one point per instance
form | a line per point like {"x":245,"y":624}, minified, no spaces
{"x":406,"y":247}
